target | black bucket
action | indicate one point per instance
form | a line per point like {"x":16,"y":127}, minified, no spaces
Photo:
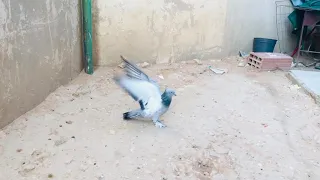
{"x":263,"y":45}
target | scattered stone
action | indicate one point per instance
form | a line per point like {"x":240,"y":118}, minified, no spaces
{"x":295,"y":87}
{"x":195,"y":147}
{"x":243,"y":54}
{"x":26,"y":169}
{"x":19,"y":150}
{"x":101,"y":177}
{"x":161,"y":77}
{"x":122,"y":65}
{"x":145,"y":64}
{"x":61,"y":141}
{"x":36,"y":153}
{"x":75,"y":94}
{"x":50,"y":175}
{"x":69,"y":122}
{"x":197,"y":61}
{"x":68,"y":161}
{"x":218,"y":70}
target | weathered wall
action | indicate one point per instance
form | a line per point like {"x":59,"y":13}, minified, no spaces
{"x":40,"y":49}
{"x":247,"y":19}
{"x":167,"y":30}
{"x":162,"y":31}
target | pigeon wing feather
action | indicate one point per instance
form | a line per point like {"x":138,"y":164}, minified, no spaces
{"x":138,"y":89}
{"x":134,"y":72}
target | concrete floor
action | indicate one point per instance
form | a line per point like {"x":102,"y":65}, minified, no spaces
{"x":239,"y":125}
{"x":309,"y":81}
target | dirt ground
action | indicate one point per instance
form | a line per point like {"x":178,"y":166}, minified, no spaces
{"x":236,"y":126}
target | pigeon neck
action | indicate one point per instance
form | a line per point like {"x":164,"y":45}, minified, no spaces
{"x":166,"y":99}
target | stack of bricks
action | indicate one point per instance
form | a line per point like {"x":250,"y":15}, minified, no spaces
{"x":269,"y":61}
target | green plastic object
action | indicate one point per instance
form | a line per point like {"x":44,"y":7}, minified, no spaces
{"x":293,"y":18}
{"x":311,"y":4}
{"x":87,"y":35}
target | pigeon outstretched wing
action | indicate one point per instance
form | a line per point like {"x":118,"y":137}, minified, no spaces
{"x":140,"y":87}
{"x":134,"y":72}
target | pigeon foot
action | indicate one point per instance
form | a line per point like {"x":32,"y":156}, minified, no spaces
{"x":159,"y":124}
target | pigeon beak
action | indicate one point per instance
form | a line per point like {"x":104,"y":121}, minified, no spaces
{"x":174,"y":94}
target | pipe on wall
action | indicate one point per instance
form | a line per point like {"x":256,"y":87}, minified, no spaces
{"x":87,"y":35}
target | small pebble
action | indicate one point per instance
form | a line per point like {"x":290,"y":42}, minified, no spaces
{"x":198,"y":61}
{"x":101,"y":177}
{"x":145,"y":64}
{"x":19,"y":150}
{"x":69,"y":122}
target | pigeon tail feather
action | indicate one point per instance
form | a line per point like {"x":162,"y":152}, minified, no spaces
{"x":131,"y":114}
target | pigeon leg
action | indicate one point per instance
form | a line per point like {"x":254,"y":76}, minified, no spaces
{"x":157,"y":122}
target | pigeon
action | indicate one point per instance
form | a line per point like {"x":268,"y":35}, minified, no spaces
{"x":153,"y":103}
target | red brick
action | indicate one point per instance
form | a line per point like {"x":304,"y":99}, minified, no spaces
{"x":269,"y":61}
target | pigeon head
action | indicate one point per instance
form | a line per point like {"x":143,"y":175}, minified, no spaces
{"x":170,"y":92}
{"x":167,"y":96}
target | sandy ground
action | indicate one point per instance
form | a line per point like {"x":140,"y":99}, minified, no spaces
{"x":240,"y":125}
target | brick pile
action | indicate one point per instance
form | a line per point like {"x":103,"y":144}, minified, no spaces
{"x":269,"y":61}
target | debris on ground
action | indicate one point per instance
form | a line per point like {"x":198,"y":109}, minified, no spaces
{"x":145,"y":64}
{"x":197,"y":61}
{"x":61,"y":141}
{"x":218,"y":70}
{"x":101,"y":177}
{"x":69,"y":122}
{"x":161,"y":77}
{"x":121,"y":65}
{"x":243,"y":54}
{"x":19,"y":150}
{"x":26,"y":169}
{"x":242,"y":62}
{"x":295,"y":87}
{"x":69,"y":161}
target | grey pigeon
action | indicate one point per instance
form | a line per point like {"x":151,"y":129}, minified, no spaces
{"x":153,"y":103}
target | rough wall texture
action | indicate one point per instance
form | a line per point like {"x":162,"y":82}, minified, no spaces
{"x":247,"y":19}
{"x":162,"y":31}
{"x":40,"y":49}
{"x":168,"y":30}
